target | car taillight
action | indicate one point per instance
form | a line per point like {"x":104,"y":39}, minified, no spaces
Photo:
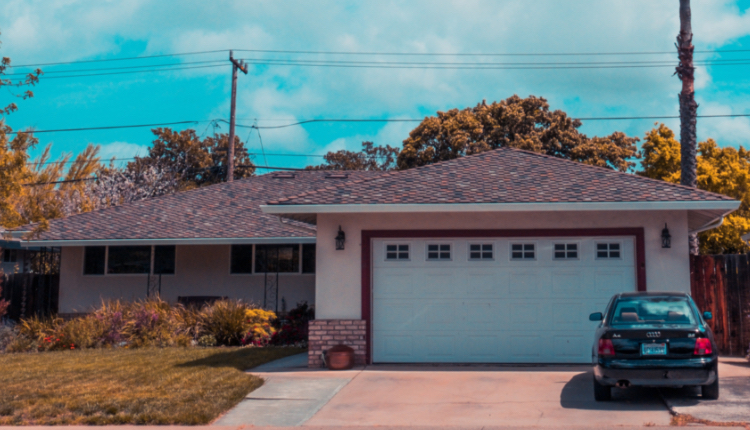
{"x":702,"y":346}
{"x":606,"y":347}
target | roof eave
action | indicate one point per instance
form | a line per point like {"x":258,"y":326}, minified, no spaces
{"x":290,"y":210}
{"x":170,"y":241}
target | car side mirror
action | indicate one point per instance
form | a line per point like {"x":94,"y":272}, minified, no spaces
{"x":708,"y":316}
{"x":596,"y":316}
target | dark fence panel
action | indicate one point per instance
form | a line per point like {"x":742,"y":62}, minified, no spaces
{"x":720,"y":284}
{"x":31,"y":294}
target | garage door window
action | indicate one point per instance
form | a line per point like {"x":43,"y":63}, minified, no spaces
{"x":397,"y":252}
{"x":439,"y":252}
{"x":607,"y":250}
{"x":522,"y":251}
{"x":482,"y":251}
{"x":566,"y":251}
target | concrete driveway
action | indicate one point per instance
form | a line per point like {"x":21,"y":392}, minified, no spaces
{"x":485,"y":396}
{"x":437,"y":396}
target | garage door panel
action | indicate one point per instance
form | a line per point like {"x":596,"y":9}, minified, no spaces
{"x":486,"y":283}
{"x":439,"y":283}
{"x":523,"y":283}
{"x":394,"y":283}
{"x":498,"y":310}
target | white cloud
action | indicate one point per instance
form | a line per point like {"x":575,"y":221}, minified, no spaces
{"x":726,"y":131}
{"x":121,"y":150}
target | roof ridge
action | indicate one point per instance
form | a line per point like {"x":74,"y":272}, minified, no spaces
{"x":607,"y":169}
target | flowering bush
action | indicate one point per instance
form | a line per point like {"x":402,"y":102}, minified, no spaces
{"x":261,"y":328}
{"x":156,"y":323}
{"x":293,"y":329}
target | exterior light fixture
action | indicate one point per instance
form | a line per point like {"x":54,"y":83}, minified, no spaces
{"x":666,"y":238}
{"x":340,"y":239}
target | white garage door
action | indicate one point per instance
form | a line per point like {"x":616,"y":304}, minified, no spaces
{"x":493,"y":300}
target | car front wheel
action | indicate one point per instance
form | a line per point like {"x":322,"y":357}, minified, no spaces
{"x":711,"y":391}
{"x":602,"y":393}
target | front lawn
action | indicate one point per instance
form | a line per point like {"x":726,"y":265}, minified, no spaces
{"x":121,"y":386}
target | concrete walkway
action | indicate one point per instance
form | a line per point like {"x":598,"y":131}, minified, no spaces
{"x":733,"y":404}
{"x":290,"y":395}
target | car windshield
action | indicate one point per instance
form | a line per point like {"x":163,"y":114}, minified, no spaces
{"x":653,"y":310}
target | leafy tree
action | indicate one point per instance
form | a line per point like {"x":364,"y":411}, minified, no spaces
{"x":377,"y":158}
{"x":198,"y":161}
{"x":720,"y":170}
{"x":114,"y":186}
{"x":29,"y":79}
{"x":517,"y":123}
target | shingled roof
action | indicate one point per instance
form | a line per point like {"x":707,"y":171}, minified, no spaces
{"x":227,"y":210}
{"x":504,"y":175}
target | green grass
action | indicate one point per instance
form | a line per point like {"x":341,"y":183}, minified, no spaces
{"x":139,"y":386}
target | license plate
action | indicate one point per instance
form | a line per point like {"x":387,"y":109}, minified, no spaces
{"x":654,"y":349}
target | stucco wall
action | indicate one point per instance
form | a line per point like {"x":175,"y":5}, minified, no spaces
{"x":338,"y":280}
{"x":200,"y":270}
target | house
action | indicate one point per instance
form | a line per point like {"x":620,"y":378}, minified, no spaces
{"x":194,"y":245}
{"x":494,"y":257}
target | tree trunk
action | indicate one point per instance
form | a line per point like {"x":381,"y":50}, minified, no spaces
{"x":688,"y":107}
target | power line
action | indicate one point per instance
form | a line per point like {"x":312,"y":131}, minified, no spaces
{"x":477,"y":54}
{"x":121,"y":67}
{"x":334,"y":120}
{"x":121,"y":59}
{"x":137,"y":71}
{"x":108,"y":127}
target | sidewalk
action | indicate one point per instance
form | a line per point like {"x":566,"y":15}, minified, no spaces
{"x":734,"y":395}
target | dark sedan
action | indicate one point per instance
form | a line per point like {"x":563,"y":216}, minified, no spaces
{"x":654,"y":340}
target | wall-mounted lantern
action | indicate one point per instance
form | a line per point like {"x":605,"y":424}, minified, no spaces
{"x":666,"y":238}
{"x":340,"y":239}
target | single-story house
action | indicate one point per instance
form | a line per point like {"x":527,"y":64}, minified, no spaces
{"x":208,"y":242}
{"x":497,"y":257}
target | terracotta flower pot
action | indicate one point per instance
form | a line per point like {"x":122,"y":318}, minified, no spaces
{"x":340,"y":357}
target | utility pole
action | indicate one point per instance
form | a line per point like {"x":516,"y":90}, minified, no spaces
{"x":230,"y":145}
{"x":688,"y":107}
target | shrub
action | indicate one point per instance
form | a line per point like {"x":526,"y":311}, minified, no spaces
{"x":293,"y":330}
{"x":226,"y":320}
{"x":207,"y":340}
{"x":7,"y":334}
{"x":261,"y":328}
{"x":4,"y":304}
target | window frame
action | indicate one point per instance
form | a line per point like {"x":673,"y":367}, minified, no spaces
{"x":255,"y":257}
{"x":524,"y":244}
{"x":566,"y":258}
{"x":409,"y":251}
{"x":439,"y":251}
{"x":10,"y":252}
{"x":608,"y":257}
{"x":481,"y":251}
{"x":106,"y":262}
{"x":252,"y":259}
{"x":151,"y":261}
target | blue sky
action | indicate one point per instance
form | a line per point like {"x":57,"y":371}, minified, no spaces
{"x":68,"y":30}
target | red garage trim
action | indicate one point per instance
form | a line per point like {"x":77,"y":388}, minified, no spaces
{"x":368,"y":235}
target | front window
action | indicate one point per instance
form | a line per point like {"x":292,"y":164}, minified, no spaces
{"x":129,"y":259}
{"x":277,"y":258}
{"x":653,"y":310}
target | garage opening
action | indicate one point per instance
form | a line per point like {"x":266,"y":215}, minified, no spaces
{"x":493,"y":300}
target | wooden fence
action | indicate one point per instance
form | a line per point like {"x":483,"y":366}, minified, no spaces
{"x":30,"y":294}
{"x":721,"y":284}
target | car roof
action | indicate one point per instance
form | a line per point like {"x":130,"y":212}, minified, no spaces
{"x":654,"y":294}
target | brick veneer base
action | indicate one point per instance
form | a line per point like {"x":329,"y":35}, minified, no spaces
{"x":324,"y":334}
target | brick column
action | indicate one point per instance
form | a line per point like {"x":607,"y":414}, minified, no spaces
{"x":325,"y":334}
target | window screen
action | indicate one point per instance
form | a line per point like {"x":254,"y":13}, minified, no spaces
{"x":164,"y":259}
{"x":607,"y":250}
{"x":242,"y":259}
{"x":522,"y":251}
{"x":566,"y":251}
{"x":481,"y":251}
{"x":308,"y":258}
{"x":277,"y":258}
{"x":93,"y":260}
{"x":129,"y":259}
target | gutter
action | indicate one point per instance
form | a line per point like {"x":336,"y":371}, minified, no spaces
{"x":711,"y":225}
{"x":283,"y":209}
{"x":176,"y":241}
